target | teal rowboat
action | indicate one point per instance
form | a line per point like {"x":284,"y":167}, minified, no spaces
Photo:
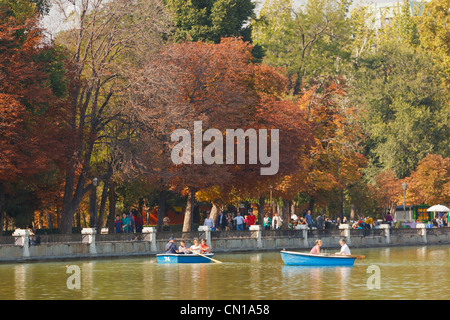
{"x":291,"y":258}
{"x":170,"y":258}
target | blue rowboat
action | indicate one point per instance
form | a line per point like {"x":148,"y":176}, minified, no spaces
{"x":169,"y":258}
{"x":291,"y":258}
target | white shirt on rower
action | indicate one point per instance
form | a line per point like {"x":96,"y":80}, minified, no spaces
{"x":345,"y":250}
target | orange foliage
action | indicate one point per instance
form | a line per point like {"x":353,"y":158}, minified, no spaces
{"x":430,"y":182}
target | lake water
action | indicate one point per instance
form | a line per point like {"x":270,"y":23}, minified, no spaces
{"x":420,"y":272}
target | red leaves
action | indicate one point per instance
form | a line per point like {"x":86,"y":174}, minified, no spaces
{"x":24,"y":96}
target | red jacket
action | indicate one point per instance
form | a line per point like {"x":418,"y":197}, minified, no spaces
{"x":251,"y":219}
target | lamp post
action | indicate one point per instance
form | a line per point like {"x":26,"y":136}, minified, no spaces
{"x":404,"y":187}
{"x":93,"y":203}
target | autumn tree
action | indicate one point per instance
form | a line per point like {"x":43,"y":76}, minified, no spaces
{"x":109,"y":38}
{"x":29,"y":145}
{"x":430,"y":182}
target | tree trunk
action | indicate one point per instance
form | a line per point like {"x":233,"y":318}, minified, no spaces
{"x":161,"y":209}
{"x":352,"y":212}
{"x":112,"y":207}
{"x":84,"y":218}
{"x":285,"y":216}
{"x":48,"y":216}
{"x":2,"y":206}
{"x":101,"y":212}
{"x":78,"y":219}
{"x":214,"y":212}
{"x":58,"y":217}
{"x":93,"y":208}
{"x":311,"y":205}
{"x":189,"y":213}
{"x":261,"y":210}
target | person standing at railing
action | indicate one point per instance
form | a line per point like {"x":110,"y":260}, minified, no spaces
{"x":319,"y":223}
{"x":276,"y":221}
{"x":369,"y":222}
{"x":131,"y":222}
{"x":118,"y":224}
{"x":209,"y":222}
{"x":239,"y":222}
{"x":139,"y":222}
{"x":125,"y":223}
{"x":221,"y":221}
{"x":266,"y":222}
{"x":308,"y":219}
{"x":251,"y":219}
{"x":389,"y":219}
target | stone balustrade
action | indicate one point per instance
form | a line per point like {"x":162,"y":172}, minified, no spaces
{"x":93,"y":245}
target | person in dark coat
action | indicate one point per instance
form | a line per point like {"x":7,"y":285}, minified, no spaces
{"x":221,"y":221}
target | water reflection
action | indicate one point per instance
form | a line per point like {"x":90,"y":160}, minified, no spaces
{"x":20,"y":279}
{"x":421,"y":253}
{"x":406,"y":273}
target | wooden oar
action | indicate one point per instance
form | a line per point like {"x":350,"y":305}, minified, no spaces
{"x":214,"y":260}
{"x":359,"y":257}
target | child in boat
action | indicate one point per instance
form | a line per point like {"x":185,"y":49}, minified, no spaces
{"x":195,"y":248}
{"x":204,"y":247}
{"x":182,"y":248}
{"x":316,"y":248}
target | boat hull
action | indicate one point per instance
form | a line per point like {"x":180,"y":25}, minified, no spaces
{"x":306,"y":259}
{"x":168,"y":258}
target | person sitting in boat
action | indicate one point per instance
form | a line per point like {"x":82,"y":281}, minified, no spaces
{"x":182,"y":248}
{"x":316,"y":248}
{"x":170,"y":246}
{"x":204,"y":248}
{"x":344,"y":248}
{"x":195,"y":248}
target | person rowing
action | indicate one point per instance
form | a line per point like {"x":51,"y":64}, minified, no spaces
{"x":345,"y":250}
{"x":171,"y":247}
{"x":195,"y":248}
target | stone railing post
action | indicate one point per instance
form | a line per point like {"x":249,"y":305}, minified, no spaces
{"x":256,"y":230}
{"x":423,"y":231}
{"x":346,"y":228}
{"x":150,"y":236}
{"x":88,"y":237}
{"x":207,"y":231}
{"x":387,"y":232}
{"x":304,"y":228}
{"x":22,"y":239}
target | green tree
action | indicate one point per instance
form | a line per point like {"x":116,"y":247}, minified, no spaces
{"x":310,"y":42}
{"x":405,"y":111}
{"x":434,"y":31}
{"x":24,"y":9}
{"x":210,"y":20}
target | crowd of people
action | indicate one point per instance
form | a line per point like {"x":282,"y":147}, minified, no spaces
{"x":237,"y":221}
{"x":129,"y":223}
{"x":363,"y":223}
{"x":133,"y":222}
{"x":440,"y":220}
